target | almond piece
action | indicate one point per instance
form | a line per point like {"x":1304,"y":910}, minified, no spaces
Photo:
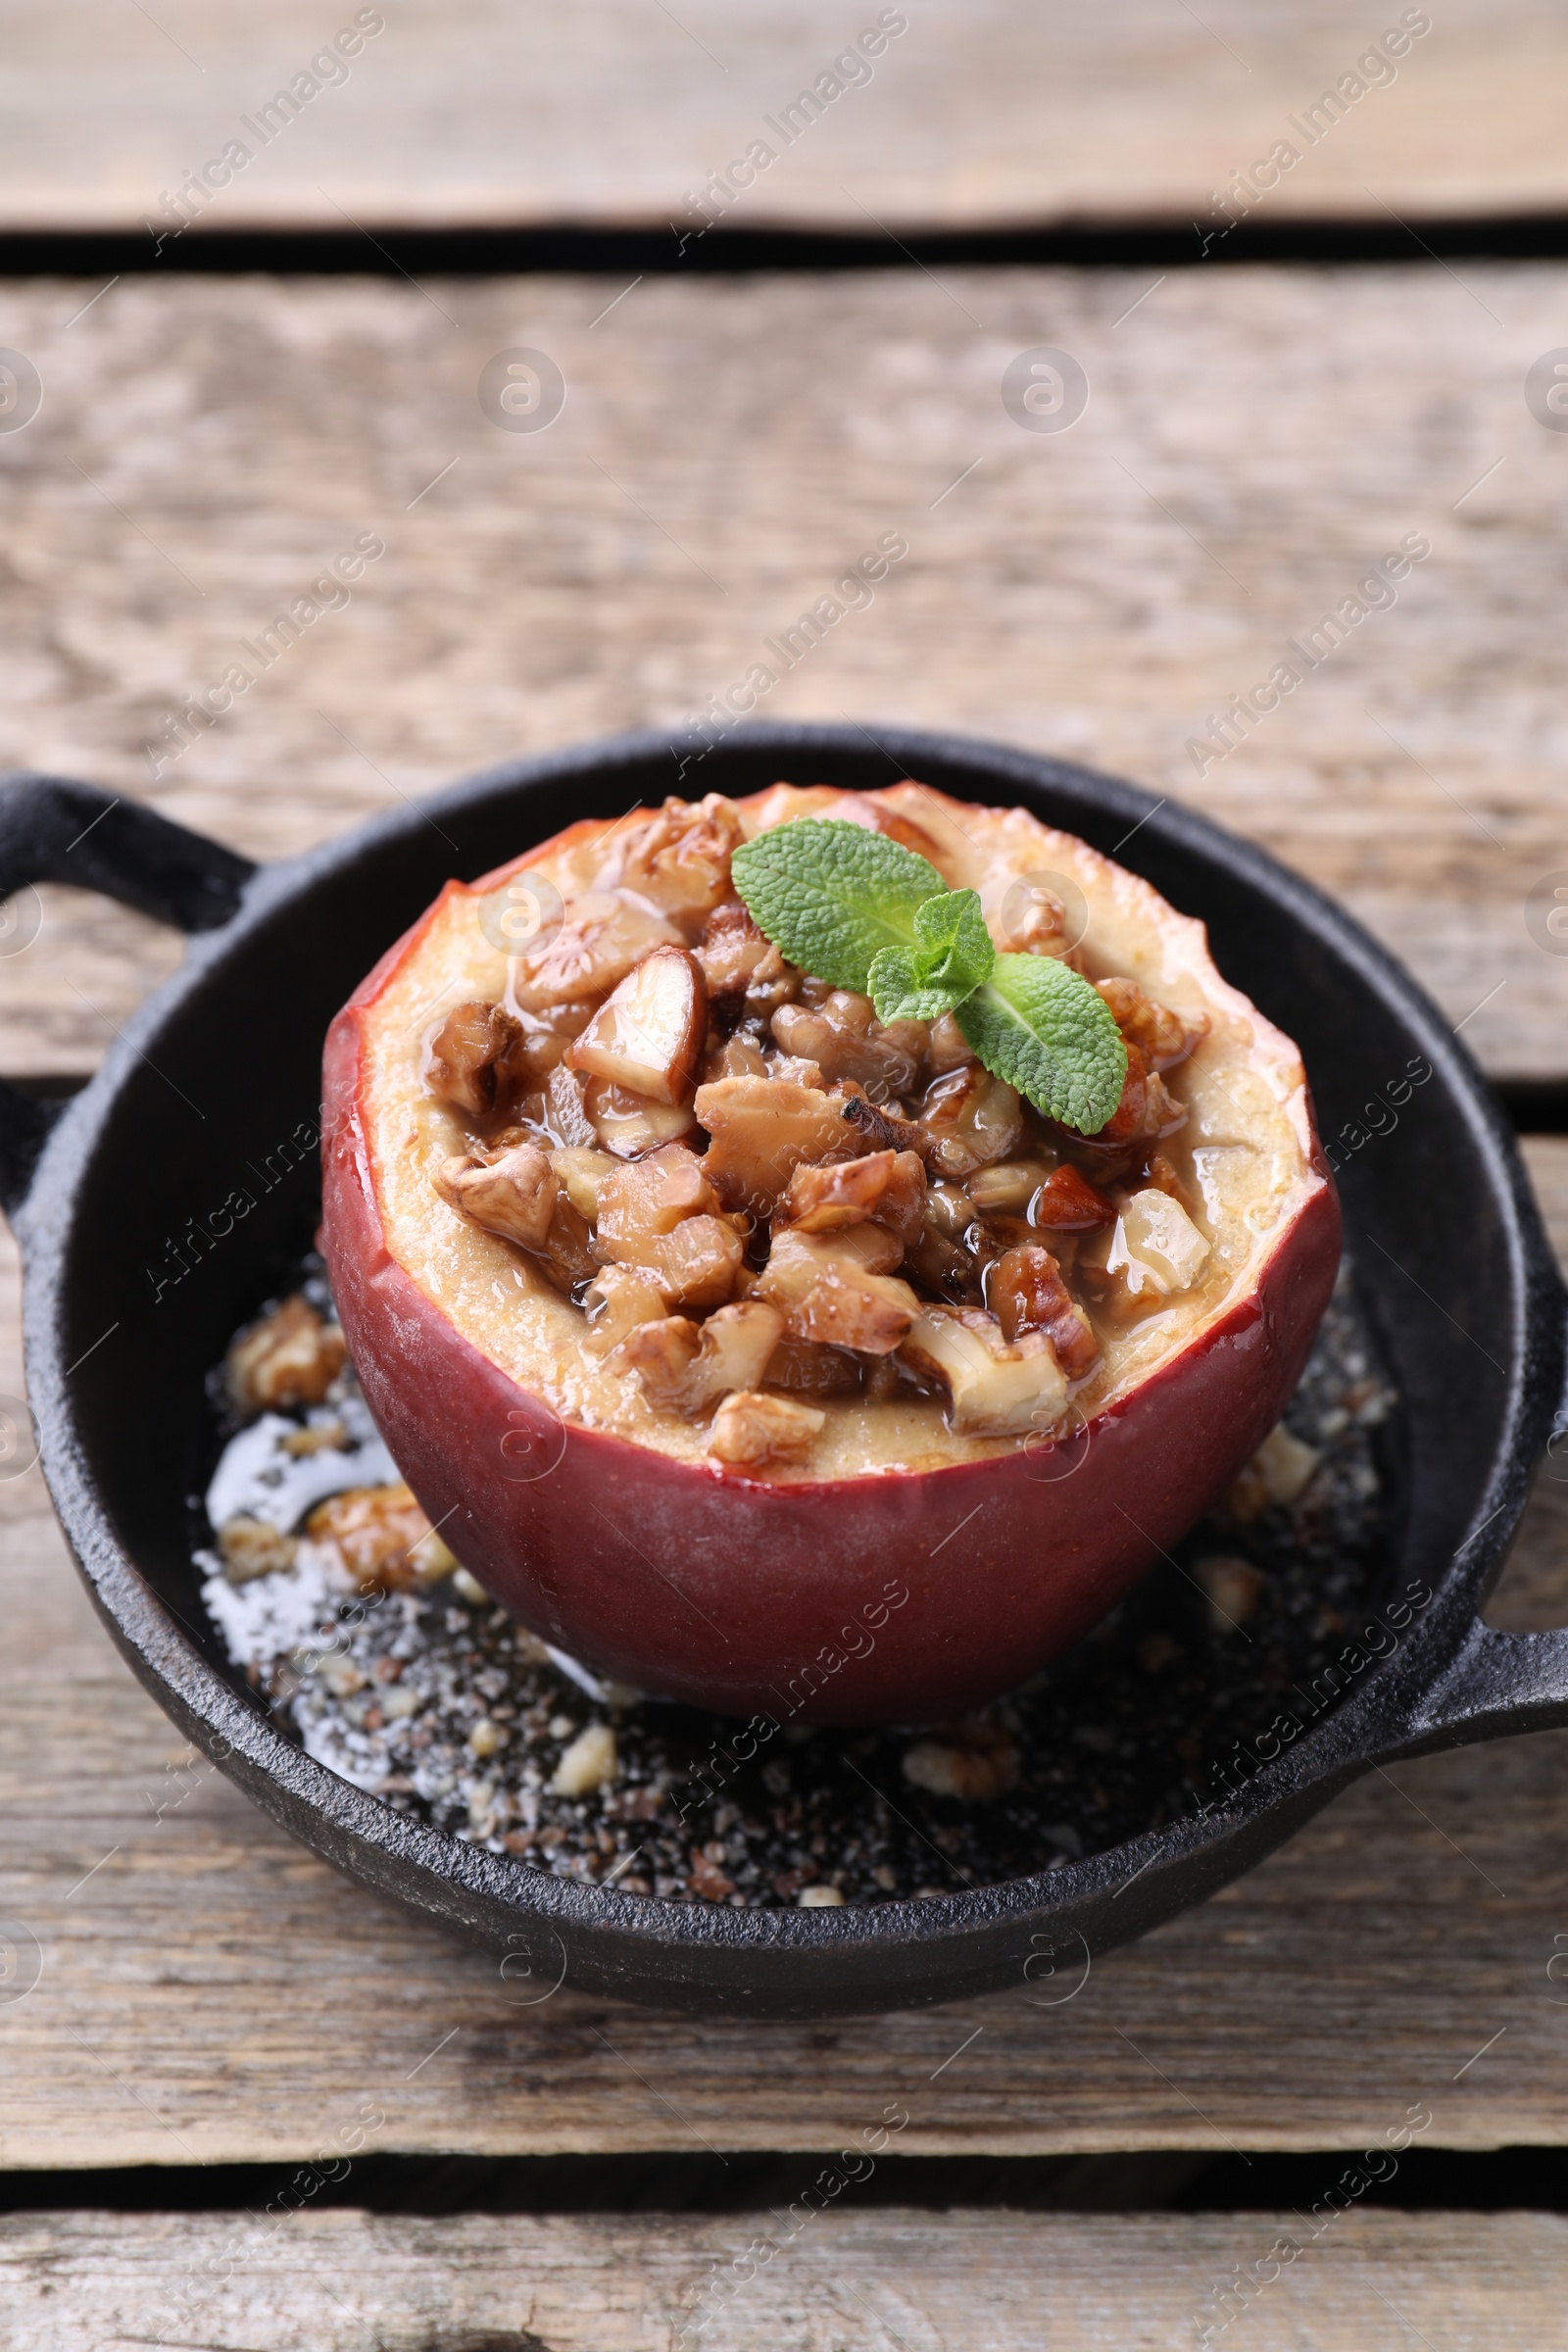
{"x":649,"y":1032}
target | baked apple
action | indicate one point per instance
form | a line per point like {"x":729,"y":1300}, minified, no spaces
{"x":799,"y":1326}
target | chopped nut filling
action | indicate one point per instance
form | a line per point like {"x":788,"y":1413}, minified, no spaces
{"x":459,"y":1063}
{"x":757,"y":1192}
{"x":755,"y":1431}
{"x":648,"y":1032}
{"x":513,"y":1194}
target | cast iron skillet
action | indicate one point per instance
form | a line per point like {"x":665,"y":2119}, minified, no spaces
{"x":210,"y":1088}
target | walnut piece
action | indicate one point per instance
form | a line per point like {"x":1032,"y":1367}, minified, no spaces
{"x":460,"y":1056}
{"x":970,"y":1120}
{"x":887,"y":1188}
{"x":648,"y":1032}
{"x":741,"y":963}
{"x":1145,"y":1113}
{"x":601,"y":934}
{"x":844,"y":1038}
{"x":755,"y":1431}
{"x":658,"y":1213}
{"x":762,"y":1128}
{"x":381,"y":1538}
{"x":1025,"y":1291}
{"x":292,"y":1357}
{"x":253,"y":1547}
{"x":512,"y":1194}
{"x":540,"y":1045}
{"x":661,"y":1353}
{"x":678,"y":859}
{"x":997,"y":1389}
{"x":684,"y":1366}
{"x":826,"y":1291}
{"x":1163,"y":1036}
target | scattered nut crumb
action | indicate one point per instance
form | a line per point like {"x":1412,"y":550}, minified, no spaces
{"x":985,"y":1766}
{"x":1279,"y":1472}
{"x":1234,"y":1588}
{"x":820,"y":1898}
{"x":588,"y":1763}
{"x":253,"y":1547}
{"x":321,"y":1437}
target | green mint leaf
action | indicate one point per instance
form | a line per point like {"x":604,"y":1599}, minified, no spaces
{"x":898,"y":989}
{"x":956,"y":953}
{"x":1047,"y":1032}
{"x":832,"y":896}
{"x":954,"y":957}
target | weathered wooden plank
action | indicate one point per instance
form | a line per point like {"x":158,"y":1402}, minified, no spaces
{"x":1253,"y":439}
{"x":999,"y":113}
{"x":184,"y":1985}
{"x":846,"y":2282}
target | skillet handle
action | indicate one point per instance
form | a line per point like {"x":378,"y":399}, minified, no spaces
{"x":53,"y":830}
{"x":1503,"y":1683}
{"x":1499,"y":1685}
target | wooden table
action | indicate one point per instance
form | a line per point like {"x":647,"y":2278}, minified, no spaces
{"x":208,"y":1993}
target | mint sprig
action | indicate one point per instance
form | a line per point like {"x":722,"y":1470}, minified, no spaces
{"x":831,"y":896}
{"x":954,"y":956}
{"x":1047,"y":1032}
{"x":860,"y":912}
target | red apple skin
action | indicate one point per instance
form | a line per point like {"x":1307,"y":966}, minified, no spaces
{"x":890,"y":1598}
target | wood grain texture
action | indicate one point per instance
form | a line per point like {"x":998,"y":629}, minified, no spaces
{"x":983,"y":111}
{"x":344,"y":2281}
{"x":182,"y":1984}
{"x":1254,"y":440}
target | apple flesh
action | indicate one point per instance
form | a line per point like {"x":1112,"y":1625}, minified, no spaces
{"x":900,"y":1560}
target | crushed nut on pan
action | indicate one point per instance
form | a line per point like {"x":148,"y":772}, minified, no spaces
{"x":291,"y":1357}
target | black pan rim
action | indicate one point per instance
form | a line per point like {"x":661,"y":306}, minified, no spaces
{"x":1386,"y":1716}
